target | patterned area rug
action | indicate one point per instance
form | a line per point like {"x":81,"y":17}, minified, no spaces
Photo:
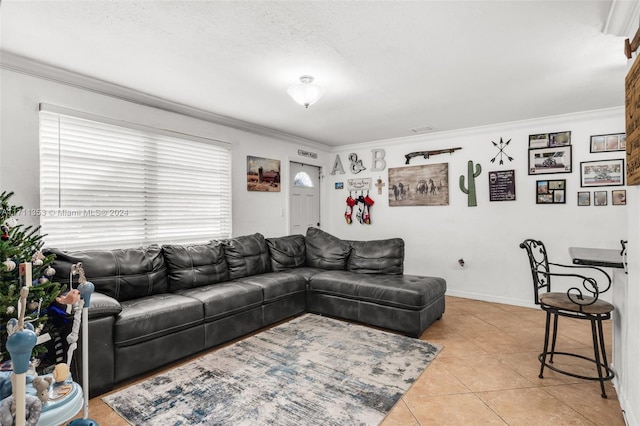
{"x":311,"y":370}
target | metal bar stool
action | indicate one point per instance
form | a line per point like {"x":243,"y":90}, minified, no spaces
{"x":579,"y":302}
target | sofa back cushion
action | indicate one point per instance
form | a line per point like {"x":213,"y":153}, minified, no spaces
{"x":247,"y":255}
{"x":325,"y":251}
{"x":287,"y":252}
{"x":123,"y":274}
{"x":195,"y":265}
{"x":377,"y":257}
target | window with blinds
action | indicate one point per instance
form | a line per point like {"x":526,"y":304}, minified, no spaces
{"x":107,"y":184}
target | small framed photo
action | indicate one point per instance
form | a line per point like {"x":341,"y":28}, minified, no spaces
{"x":339,"y":185}
{"x":539,"y":141}
{"x":599,"y":198}
{"x":584,"y":198}
{"x":551,"y":191}
{"x":559,"y":139}
{"x":608,"y":143}
{"x":550,"y":160}
{"x":602,"y":173}
{"x":619,"y":197}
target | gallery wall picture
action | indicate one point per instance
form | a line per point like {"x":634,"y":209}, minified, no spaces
{"x":550,"y":160}
{"x":502,"y":185}
{"x":551,"y":191}
{"x":602,"y":173}
{"x":584,"y":198}
{"x":426,"y":185}
{"x":559,"y":139}
{"x":263,"y":174}
{"x":546,"y":140}
{"x":619,"y":197}
{"x":608,"y":143}
{"x":599,"y":198}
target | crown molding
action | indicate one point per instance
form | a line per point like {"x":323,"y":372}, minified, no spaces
{"x":623,"y":18}
{"x":21,"y":64}
{"x":558,"y":120}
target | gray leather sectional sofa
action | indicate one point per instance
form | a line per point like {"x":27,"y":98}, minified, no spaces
{"x":155,"y":305}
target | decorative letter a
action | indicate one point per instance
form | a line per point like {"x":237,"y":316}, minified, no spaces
{"x":337,"y":166}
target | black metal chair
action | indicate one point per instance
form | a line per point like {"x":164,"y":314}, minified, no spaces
{"x":581,"y":302}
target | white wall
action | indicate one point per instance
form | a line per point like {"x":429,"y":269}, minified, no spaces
{"x":19,"y":156}
{"x":486,"y":236}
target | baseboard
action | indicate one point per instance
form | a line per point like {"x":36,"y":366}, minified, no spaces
{"x":629,"y":411}
{"x":491,"y":298}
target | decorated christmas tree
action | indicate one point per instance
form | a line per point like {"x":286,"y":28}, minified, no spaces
{"x":22,"y":244}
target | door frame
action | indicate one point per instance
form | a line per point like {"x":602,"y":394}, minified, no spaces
{"x":321,"y":192}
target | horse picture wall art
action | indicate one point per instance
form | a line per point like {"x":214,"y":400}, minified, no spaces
{"x":426,"y":185}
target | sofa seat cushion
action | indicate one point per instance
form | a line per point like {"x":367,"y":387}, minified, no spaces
{"x":276,"y":285}
{"x":155,"y":316}
{"x":224,"y":299}
{"x":399,"y":291}
{"x":306,"y":272}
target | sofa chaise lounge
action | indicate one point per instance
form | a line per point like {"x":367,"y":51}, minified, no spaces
{"x":155,"y":305}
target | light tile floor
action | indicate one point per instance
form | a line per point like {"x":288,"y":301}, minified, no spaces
{"x":487,"y":374}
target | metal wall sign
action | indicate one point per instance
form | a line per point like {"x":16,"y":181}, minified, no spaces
{"x":308,"y":154}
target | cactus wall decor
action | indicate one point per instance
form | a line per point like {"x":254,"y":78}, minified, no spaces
{"x":471,"y":185}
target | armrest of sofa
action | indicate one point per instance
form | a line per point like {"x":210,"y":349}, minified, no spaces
{"x":103,"y":306}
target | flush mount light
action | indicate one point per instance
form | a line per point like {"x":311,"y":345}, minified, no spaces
{"x":306,"y":93}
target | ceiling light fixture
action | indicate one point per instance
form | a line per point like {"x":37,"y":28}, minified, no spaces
{"x":306,"y":93}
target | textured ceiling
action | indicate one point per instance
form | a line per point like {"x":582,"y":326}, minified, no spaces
{"x":388,"y":66}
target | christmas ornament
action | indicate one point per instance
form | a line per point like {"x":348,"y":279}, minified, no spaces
{"x":43,"y":280}
{"x":50,"y":271}
{"x":38,"y":258}
{"x":5,"y":232}
{"x":32,"y":306}
{"x":9,"y":265}
{"x":11,"y":310}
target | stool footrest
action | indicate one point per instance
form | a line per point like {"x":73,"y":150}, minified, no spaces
{"x":610,"y":374}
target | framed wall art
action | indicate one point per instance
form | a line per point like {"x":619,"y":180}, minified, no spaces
{"x":602,"y":173}
{"x":608,"y":143}
{"x":539,"y":141}
{"x":551,"y":191}
{"x":599,"y":198}
{"x":584,"y":198}
{"x":619,"y":197}
{"x":560,"y":139}
{"x":263,"y":174}
{"x":550,"y":160}
{"x":502,"y":185}
{"x":426,"y":185}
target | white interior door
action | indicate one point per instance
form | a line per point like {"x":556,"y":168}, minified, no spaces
{"x":304,"y":206}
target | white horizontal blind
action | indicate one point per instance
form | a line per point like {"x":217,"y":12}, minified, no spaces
{"x":107,"y":186}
